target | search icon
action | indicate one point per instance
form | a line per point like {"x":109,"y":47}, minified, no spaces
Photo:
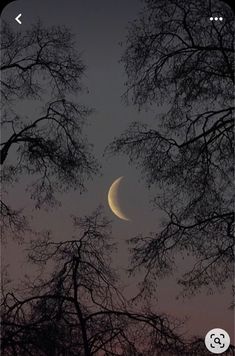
{"x":217,"y":340}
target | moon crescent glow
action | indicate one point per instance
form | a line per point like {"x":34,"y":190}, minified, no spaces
{"x":113,"y":200}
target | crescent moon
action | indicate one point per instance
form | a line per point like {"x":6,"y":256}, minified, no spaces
{"x":113,"y":200}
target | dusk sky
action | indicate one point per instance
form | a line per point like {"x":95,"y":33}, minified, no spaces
{"x":99,"y":27}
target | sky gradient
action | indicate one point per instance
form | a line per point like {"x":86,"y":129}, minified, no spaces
{"x":99,"y":27}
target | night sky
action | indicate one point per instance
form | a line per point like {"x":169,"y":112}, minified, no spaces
{"x":99,"y":27}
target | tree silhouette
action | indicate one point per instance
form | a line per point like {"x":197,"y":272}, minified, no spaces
{"x":76,"y":306}
{"x":49,"y":144}
{"x":79,"y":309}
{"x":177,"y":58}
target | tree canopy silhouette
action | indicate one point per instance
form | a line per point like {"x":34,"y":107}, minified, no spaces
{"x":178,"y":59}
{"x":49,"y":144}
{"x":77,"y":306}
{"x":79,"y":309}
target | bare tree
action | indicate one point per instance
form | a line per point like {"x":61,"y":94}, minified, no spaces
{"x":79,"y":309}
{"x":42,"y":65}
{"x":177,"y":58}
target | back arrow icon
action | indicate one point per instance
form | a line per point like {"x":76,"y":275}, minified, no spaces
{"x":17,"y":18}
